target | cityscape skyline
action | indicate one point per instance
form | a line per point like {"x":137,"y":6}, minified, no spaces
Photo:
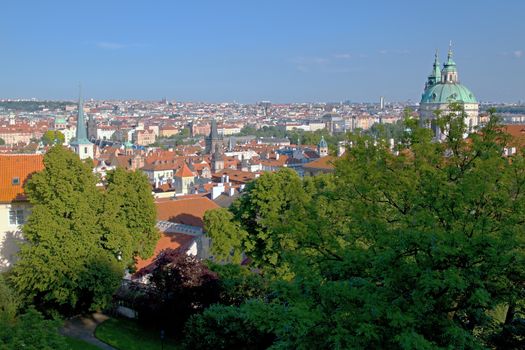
{"x":286,"y":53}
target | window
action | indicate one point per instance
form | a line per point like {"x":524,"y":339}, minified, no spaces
{"x":15,"y":181}
{"x":16,"y":216}
{"x":85,"y":150}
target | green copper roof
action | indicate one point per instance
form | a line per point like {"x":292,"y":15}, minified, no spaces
{"x":447,"y":93}
{"x":323,"y":143}
{"x":81,"y":135}
{"x":60,"y":120}
{"x":449,"y":65}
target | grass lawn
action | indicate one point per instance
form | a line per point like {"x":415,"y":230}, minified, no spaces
{"x":125,"y":334}
{"x":77,"y":344}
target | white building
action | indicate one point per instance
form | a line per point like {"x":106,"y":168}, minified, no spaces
{"x":15,"y":169}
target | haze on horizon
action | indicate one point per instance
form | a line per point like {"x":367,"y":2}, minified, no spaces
{"x":282,"y":51}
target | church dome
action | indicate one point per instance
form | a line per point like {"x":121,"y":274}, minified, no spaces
{"x":447,"y":93}
{"x":322,"y":143}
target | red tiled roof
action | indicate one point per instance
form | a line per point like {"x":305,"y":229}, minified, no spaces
{"x":517,"y":132}
{"x":166,"y":241}
{"x":238,"y":176}
{"x":19,"y":166}
{"x":184,"y":171}
{"x":321,"y":163}
{"x":188,"y":211}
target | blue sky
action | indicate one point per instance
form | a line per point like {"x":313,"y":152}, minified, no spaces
{"x":247,"y":51}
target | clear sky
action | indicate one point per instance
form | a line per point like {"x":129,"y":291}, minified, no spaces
{"x":247,"y":51}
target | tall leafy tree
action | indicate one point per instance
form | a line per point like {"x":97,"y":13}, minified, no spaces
{"x":129,"y":215}
{"x":78,"y":242}
{"x":414,"y":248}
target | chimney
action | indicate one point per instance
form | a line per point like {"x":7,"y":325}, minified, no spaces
{"x":216,"y":191}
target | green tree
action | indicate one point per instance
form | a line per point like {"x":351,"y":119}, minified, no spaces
{"x":2,"y":141}
{"x":129,"y":215}
{"x":8,"y":302}
{"x":31,"y":331}
{"x":53,"y":137}
{"x":78,"y":239}
{"x":260,"y":227}
{"x":413,"y":248}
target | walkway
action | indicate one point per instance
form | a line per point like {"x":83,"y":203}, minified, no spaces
{"x":83,"y":327}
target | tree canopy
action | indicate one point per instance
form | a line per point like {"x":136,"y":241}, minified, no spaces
{"x":80,"y":239}
{"x":420,"y":247}
{"x":53,"y":137}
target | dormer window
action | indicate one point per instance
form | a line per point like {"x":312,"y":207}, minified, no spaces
{"x":15,"y":181}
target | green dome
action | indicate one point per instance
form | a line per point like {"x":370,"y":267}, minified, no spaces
{"x":447,"y":93}
{"x":322,"y":143}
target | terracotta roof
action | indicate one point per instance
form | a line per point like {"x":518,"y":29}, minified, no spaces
{"x":517,"y":132}
{"x":184,"y":171}
{"x":162,"y":165}
{"x":321,"y":163}
{"x":188,"y":211}
{"x":166,"y":241}
{"x":17,"y":166}
{"x":237,"y":176}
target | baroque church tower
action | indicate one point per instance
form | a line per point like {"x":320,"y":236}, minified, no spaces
{"x":443,"y":88}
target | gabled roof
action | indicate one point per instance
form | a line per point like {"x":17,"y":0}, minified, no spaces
{"x":15,"y":169}
{"x":184,"y":171}
{"x":321,"y":163}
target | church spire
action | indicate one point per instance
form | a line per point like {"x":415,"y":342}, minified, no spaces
{"x":82,"y":146}
{"x":435,"y":75}
{"x":81,"y":134}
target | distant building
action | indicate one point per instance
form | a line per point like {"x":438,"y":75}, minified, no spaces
{"x":213,"y":139}
{"x":92,"y":128}
{"x":217,"y":159}
{"x":334,"y":123}
{"x":168,"y":131}
{"x":322,"y":165}
{"x":144,"y":137}
{"x":443,"y":88}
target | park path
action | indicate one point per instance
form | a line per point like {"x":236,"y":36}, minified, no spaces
{"x":83,"y":327}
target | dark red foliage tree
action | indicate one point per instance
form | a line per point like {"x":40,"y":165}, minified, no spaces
{"x":179,"y":286}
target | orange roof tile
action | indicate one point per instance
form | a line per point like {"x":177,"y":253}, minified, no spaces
{"x":166,"y":241}
{"x":321,"y":163}
{"x":188,"y":211}
{"x":184,"y":171}
{"x":19,"y":166}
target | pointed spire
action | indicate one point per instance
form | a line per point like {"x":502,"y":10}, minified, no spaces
{"x":435,"y":75}
{"x":213,"y":132}
{"x":81,"y":134}
{"x":450,"y":61}
{"x":449,"y":74}
{"x":437,"y":70}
